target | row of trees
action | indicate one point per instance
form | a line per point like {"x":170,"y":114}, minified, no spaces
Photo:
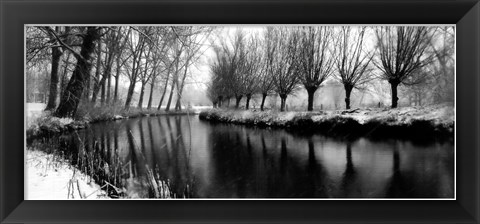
{"x":85,"y":60}
{"x":279,"y":60}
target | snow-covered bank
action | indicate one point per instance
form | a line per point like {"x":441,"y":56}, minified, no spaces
{"x":50,"y":177}
{"x":413,"y":122}
{"x":42,"y":123}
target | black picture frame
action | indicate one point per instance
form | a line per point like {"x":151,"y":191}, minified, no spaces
{"x":464,"y":13}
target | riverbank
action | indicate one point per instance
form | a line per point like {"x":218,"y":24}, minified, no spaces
{"x":410,"y":122}
{"x":41,"y":123}
{"x":50,"y":177}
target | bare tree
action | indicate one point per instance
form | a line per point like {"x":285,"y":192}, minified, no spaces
{"x":266,"y":85}
{"x":229,"y":68}
{"x":285,"y":63}
{"x":401,"y":52}
{"x":98,"y":67}
{"x":178,"y":49}
{"x":41,"y":40}
{"x":237,"y":60}
{"x":56,"y":55}
{"x":316,"y":61}
{"x":352,"y":59}
{"x":71,"y":97}
{"x":218,"y":88}
{"x":160,"y":57}
{"x":193,"y":44}
{"x":443,"y":72}
{"x":253,"y":69}
{"x":145,"y":74}
{"x":137,"y":44}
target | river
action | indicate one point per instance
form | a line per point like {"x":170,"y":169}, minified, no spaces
{"x":198,"y":159}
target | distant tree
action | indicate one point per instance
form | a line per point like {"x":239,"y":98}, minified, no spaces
{"x":218,"y":87}
{"x":352,"y":59}
{"x":48,"y":41}
{"x":401,"y":52}
{"x":229,"y":67}
{"x":443,"y":65}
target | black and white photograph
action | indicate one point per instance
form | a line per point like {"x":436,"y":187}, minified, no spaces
{"x":258,"y":112}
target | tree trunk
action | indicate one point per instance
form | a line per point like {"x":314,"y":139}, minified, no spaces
{"x":102,"y":95}
{"x":348,"y":91}
{"x":70,"y":99}
{"x":100,"y":86}
{"x":150,"y":98}
{"x":52,"y":96}
{"x":311,"y":94}
{"x":219,"y":102}
{"x":283,"y":100}
{"x":117,"y":78}
{"x":131,"y":89}
{"x":394,"y":85}
{"x":109,"y":87}
{"x":247,"y":104}
{"x":96,"y":87}
{"x":142,"y":92}
{"x":64,"y":75}
{"x":178,"y":105}
{"x":237,"y":101}
{"x":262,"y":106}
{"x":171,"y":95}
{"x":164,"y":90}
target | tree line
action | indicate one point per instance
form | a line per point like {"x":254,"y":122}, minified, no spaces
{"x":280,"y":60}
{"x":88,"y":65}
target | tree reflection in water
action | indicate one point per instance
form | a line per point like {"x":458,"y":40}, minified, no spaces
{"x":200,"y":159}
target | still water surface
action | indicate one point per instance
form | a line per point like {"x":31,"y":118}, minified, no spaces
{"x":205,"y":160}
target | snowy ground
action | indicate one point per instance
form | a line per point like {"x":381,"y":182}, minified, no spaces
{"x":49,"y":177}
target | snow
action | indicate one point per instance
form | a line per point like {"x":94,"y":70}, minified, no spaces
{"x":438,"y":118}
{"x":34,"y":111}
{"x":49,"y":177}
{"x":118,"y":117}
{"x":439,"y":114}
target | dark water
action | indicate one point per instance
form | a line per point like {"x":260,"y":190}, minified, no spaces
{"x":204,"y":160}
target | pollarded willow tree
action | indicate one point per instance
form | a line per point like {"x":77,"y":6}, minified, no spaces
{"x":316,"y":60}
{"x":252,"y":68}
{"x":352,"y":59}
{"x":265,"y":78}
{"x":285,"y":62}
{"x":230,"y":67}
{"x":402,"y":51}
